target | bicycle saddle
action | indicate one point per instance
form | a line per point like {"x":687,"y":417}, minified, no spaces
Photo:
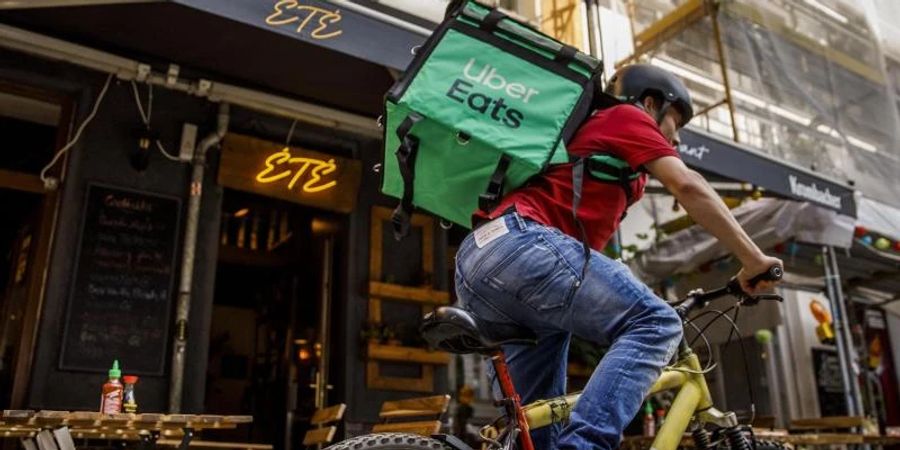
{"x":454,"y":330}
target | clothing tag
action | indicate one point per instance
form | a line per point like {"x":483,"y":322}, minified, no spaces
{"x":486,"y":233}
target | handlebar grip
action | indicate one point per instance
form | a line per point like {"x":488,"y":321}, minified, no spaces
{"x":773,"y":274}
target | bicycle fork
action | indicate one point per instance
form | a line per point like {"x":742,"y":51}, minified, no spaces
{"x":512,"y":402}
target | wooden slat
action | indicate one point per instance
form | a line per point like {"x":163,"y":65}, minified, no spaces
{"x":319,"y":435}
{"x":425,"y":428}
{"x":13,"y":416}
{"x":329,"y":414}
{"x":425,"y":294}
{"x":374,"y":380}
{"x":21,"y":181}
{"x":415,"y":407}
{"x":881,"y":440}
{"x":84,"y":419}
{"x":239,"y":419}
{"x":827,"y":422}
{"x":216,"y":444}
{"x":406,"y":354}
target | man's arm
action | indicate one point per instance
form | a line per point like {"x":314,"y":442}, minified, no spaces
{"x":706,"y":208}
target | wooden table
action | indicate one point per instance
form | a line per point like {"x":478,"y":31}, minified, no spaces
{"x":42,"y":429}
{"x":782,"y":436}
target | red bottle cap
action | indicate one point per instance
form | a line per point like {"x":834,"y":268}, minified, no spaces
{"x":130,"y":379}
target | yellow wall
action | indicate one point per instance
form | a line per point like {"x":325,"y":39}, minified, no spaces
{"x":561,"y":19}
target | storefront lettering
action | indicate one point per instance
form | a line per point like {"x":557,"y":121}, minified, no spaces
{"x":812,"y":192}
{"x":696,"y":152}
{"x":283,"y":164}
{"x":286,"y":12}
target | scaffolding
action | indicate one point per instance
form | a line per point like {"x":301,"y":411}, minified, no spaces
{"x":806,"y":81}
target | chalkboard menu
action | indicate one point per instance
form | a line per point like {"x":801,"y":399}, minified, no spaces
{"x":829,"y":382}
{"x":120,"y":299}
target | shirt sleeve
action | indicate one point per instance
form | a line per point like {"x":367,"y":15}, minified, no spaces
{"x":630,"y":134}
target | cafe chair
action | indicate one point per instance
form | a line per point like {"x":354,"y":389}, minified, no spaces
{"x":421,"y":415}
{"x":324,"y":421}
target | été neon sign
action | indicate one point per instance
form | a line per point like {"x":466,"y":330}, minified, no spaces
{"x":290,"y":11}
{"x":316,"y":168}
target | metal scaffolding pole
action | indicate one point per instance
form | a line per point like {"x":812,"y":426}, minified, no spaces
{"x":842,"y":336}
{"x":720,"y":51}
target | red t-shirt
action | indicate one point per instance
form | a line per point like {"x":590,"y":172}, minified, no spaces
{"x":624,"y":131}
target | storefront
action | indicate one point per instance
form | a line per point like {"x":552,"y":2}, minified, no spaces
{"x":254,"y":253}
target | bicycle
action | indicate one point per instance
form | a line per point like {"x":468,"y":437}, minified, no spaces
{"x":453,"y":330}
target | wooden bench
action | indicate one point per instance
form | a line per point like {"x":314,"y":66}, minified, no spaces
{"x":324,"y":420}
{"x":419,"y":415}
{"x":828,"y":423}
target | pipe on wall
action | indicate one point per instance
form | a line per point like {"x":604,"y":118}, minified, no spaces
{"x":183,"y":306}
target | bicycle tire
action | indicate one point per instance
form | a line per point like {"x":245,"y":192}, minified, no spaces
{"x":389,"y":441}
{"x":759,"y":445}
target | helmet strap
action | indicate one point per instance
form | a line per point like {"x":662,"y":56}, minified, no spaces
{"x":661,"y":113}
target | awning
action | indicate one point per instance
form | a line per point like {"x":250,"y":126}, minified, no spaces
{"x":712,"y":154}
{"x":334,"y":53}
{"x":767,"y":221}
{"x":792,"y":231}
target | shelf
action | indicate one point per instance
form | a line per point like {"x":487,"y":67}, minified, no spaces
{"x":425,"y":295}
{"x":406,"y":354}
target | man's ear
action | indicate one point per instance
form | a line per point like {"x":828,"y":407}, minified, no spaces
{"x":649,"y":104}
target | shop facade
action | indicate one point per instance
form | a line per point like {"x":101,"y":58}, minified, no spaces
{"x":296,"y":296}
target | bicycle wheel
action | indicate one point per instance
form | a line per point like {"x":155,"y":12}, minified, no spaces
{"x":389,"y":441}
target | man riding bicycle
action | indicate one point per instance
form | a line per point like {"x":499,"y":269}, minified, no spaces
{"x":524,"y":264}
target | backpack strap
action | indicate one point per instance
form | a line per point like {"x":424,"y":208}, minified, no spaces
{"x":491,"y":196}
{"x":491,"y":20}
{"x":602,"y":167}
{"x":577,"y":184}
{"x":406,"y":158}
{"x":608,"y":168}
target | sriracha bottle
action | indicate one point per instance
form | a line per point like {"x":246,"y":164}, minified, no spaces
{"x":111,"y":398}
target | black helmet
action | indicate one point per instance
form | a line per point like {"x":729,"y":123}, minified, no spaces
{"x":632,"y":83}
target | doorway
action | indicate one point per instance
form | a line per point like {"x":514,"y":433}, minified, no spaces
{"x":266,"y":353}
{"x":29,"y":134}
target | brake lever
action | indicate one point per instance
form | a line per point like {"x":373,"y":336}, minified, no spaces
{"x":774,"y":297}
{"x":753,"y":300}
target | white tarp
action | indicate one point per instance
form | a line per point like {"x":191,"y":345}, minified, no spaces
{"x":878,"y":217}
{"x":768,"y":222}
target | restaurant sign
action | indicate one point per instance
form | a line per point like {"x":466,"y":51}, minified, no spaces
{"x":290,"y":173}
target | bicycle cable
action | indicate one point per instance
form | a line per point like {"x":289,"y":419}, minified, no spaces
{"x":746,"y":371}
{"x":734,"y":328}
{"x":710,"y":365}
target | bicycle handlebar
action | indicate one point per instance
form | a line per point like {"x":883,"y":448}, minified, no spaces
{"x":773,"y":274}
{"x":699,"y":299}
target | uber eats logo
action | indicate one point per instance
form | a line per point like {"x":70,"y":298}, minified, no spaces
{"x":492,"y":104}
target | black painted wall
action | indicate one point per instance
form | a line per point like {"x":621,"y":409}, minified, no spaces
{"x":102,"y":156}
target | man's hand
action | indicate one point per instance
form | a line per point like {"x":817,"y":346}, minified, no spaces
{"x":749,"y":271}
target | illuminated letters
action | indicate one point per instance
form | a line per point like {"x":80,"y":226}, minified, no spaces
{"x":282,"y":15}
{"x":285,"y":164}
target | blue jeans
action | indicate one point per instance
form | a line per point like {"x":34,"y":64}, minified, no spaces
{"x":530,"y":276}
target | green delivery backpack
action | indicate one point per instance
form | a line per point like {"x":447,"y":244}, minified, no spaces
{"x":486,"y":104}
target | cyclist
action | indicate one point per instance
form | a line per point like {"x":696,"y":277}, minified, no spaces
{"x":522,"y":265}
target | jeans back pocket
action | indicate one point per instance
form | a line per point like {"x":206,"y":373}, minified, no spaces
{"x":535,"y":274}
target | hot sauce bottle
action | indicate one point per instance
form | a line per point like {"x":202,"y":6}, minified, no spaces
{"x":111,"y":398}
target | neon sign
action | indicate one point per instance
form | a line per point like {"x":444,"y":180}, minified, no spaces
{"x":286,"y":164}
{"x":286,"y":12}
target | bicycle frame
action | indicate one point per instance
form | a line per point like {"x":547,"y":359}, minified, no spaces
{"x":686,"y":375}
